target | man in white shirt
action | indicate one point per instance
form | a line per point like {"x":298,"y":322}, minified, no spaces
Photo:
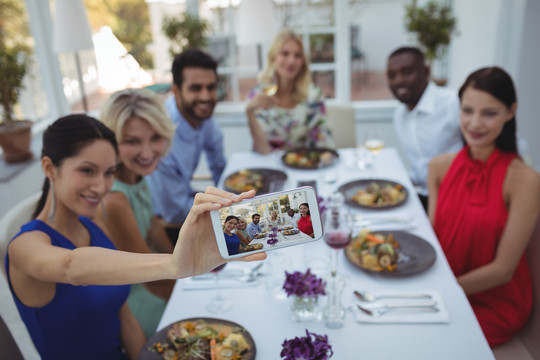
{"x":292,"y":217}
{"x":427,"y":120}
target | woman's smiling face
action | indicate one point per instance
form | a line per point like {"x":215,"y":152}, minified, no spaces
{"x":81,"y":181}
{"x":231,"y":225}
{"x":289,"y":61}
{"x":483,"y":117}
{"x":141,"y":147}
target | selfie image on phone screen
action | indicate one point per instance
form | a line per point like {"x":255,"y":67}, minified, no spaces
{"x":275,"y":220}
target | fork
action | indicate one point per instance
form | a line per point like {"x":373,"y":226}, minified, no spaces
{"x":369,"y":297}
{"x":420,"y":307}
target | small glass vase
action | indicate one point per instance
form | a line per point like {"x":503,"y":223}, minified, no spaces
{"x":305,"y":309}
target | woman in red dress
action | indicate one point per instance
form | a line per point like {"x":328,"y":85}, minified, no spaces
{"x":304,"y":223}
{"x":484,"y":203}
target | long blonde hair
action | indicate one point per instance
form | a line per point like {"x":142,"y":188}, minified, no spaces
{"x":126,"y":104}
{"x":303,"y":81}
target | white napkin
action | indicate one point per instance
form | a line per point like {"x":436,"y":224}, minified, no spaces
{"x":403,"y":317}
{"x":406,"y":224}
{"x":227,"y":279}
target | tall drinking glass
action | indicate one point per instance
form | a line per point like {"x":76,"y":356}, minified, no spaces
{"x":218,"y":303}
{"x":337,"y":236}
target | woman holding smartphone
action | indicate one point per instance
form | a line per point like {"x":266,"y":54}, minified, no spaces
{"x":67,"y":278}
{"x":304,"y":223}
{"x":232,"y":240}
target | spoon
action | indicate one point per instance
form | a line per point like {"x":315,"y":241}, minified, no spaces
{"x":369,"y":297}
{"x":376,"y":312}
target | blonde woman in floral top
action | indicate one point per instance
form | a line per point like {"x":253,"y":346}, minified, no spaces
{"x":294,"y":115}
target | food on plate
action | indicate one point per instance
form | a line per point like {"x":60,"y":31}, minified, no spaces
{"x":252,"y":247}
{"x":189,"y":340}
{"x":244,"y":180}
{"x":290,"y":232}
{"x":309,"y":158}
{"x":380,"y":194}
{"x":373,"y":251}
{"x":288,"y":227}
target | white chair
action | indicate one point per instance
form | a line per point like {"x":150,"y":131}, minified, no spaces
{"x":342,"y":123}
{"x":9,"y":226}
{"x":526,"y":344}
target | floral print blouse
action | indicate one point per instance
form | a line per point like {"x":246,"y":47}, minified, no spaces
{"x":302,"y":126}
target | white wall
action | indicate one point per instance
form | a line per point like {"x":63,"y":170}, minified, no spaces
{"x":528,"y":81}
{"x":502,"y":33}
{"x":381,"y":29}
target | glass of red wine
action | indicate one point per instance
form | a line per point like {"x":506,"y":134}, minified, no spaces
{"x":276,"y":142}
{"x":218,"y":303}
{"x":337,"y":236}
{"x":337,"y":230}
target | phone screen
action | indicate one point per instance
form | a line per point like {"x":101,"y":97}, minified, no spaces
{"x":268,"y":222}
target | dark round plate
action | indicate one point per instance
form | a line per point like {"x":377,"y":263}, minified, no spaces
{"x":415,"y":255}
{"x":272,"y":181}
{"x":290,"y":232}
{"x":161,"y":336}
{"x":350,"y":189}
{"x":316,"y":152}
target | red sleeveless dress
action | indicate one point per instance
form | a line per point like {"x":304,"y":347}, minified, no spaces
{"x":469,"y":221}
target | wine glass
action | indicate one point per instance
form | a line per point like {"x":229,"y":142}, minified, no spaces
{"x":373,"y":141}
{"x":337,"y":236}
{"x":218,"y":303}
{"x":270,"y":89}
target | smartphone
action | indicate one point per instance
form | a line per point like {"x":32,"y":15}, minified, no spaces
{"x":250,"y":227}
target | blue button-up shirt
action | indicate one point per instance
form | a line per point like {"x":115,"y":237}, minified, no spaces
{"x":169,"y":184}
{"x":253,"y":229}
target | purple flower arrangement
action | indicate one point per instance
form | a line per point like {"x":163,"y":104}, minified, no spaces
{"x":272,"y":237}
{"x":309,"y":347}
{"x":303,"y":284}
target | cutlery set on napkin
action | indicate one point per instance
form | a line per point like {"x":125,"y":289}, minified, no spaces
{"x":395,"y":222}
{"x":235,"y":275}
{"x":399,"y":307}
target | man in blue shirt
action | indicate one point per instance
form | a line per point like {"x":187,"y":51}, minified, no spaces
{"x":253,"y":227}
{"x":194,"y":88}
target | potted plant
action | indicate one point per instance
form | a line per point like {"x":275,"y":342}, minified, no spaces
{"x":433,"y":25}
{"x":15,"y":52}
{"x":15,"y":134}
{"x":186,"y":32}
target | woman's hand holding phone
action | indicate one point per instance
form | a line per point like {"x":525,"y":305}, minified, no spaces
{"x":275,"y":237}
{"x":196,"y":251}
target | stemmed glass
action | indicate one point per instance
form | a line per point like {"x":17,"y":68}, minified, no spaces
{"x":218,"y":303}
{"x":337,"y":236}
{"x":373,"y":141}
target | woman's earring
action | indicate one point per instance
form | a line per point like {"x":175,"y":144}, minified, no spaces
{"x":103,"y":210}
{"x":53,"y":207}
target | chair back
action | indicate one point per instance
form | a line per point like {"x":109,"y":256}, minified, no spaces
{"x":342,"y":123}
{"x":9,"y":226}
{"x":530,"y":334}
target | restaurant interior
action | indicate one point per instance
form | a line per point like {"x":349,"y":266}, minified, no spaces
{"x":78,"y":60}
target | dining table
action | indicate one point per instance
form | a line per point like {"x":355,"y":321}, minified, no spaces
{"x":455,"y":334}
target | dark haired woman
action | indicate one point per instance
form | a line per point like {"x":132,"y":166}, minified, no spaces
{"x":484,"y":202}
{"x":68,"y":280}
{"x":232,"y":240}
{"x":304,"y":223}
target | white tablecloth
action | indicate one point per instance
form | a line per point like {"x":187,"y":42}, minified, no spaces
{"x":268,"y":319}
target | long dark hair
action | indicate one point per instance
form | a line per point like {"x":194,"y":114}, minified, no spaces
{"x":498,"y":84}
{"x":65,"y":138}
{"x":306,"y":205}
